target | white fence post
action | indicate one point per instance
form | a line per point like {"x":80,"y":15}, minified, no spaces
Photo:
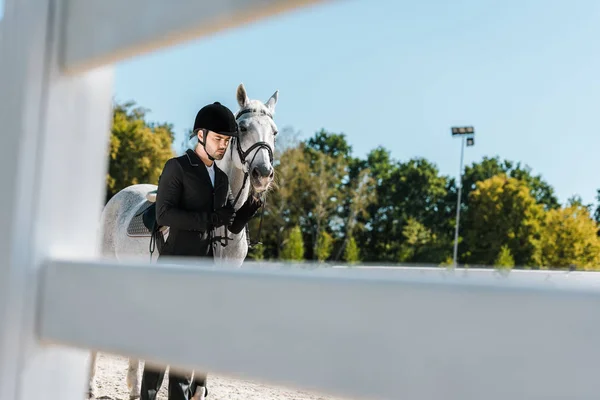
{"x":52,"y":169}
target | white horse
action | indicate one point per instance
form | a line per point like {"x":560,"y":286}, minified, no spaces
{"x":248,"y":164}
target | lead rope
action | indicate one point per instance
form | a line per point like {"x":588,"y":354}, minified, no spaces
{"x":153,"y":239}
{"x":152,"y":245}
{"x":234,"y":203}
{"x":262,"y":213}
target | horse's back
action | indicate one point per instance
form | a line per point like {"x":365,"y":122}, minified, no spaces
{"x":116,"y":217}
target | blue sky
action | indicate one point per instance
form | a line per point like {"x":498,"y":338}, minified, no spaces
{"x":399,"y":73}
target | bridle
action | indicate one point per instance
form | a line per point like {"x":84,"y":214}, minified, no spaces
{"x":243,"y":154}
{"x":258,"y":145}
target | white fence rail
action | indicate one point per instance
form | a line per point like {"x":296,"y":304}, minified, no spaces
{"x":418,"y":334}
{"x":96,"y":34}
{"x":405,"y":333}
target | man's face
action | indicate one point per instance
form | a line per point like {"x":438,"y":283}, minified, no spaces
{"x":216,"y":144}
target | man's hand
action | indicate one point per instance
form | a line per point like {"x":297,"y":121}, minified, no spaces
{"x":245,"y":213}
{"x":223,"y":216}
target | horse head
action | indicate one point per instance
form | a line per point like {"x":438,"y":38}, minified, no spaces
{"x":253,"y":150}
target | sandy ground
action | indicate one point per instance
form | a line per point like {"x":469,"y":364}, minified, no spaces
{"x":111,"y":385}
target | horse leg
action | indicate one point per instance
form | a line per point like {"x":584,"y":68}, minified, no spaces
{"x":133,"y":381}
{"x":92,"y":375}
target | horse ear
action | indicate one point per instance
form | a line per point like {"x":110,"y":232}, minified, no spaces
{"x":242,"y":97}
{"x":272,"y":101}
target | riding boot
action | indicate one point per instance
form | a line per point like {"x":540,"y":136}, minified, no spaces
{"x":179,"y":386}
{"x":198,"y":386}
{"x":152,"y":380}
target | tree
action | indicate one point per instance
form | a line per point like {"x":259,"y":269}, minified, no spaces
{"x":570,"y":238}
{"x":505,"y":258}
{"x":597,"y":209}
{"x":332,"y":144}
{"x":415,"y":235}
{"x":330,"y":160}
{"x":360,"y":195}
{"x":541,"y":191}
{"x":502,"y":211}
{"x":351,"y":252}
{"x":293,"y":247}
{"x":324,"y":246}
{"x":407,"y":191}
{"x":138,"y":149}
{"x":323,"y":194}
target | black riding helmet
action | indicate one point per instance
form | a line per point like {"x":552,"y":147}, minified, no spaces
{"x":217,"y":118}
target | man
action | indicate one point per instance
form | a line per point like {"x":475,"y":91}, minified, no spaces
{"x":194,"y":198}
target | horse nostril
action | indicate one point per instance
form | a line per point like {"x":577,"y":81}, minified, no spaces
{"x":262,"y":171}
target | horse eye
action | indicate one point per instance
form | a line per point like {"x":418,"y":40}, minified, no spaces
{"x":243,"y":129}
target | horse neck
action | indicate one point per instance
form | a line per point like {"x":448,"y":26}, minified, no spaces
{"x":236,"y":180}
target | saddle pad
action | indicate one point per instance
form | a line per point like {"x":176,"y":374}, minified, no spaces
{"x":136,"y":226}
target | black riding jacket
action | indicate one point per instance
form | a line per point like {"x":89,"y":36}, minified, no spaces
{"x":185,"y":201}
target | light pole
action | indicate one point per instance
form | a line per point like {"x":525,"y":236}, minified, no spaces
{"x":467,"y":134}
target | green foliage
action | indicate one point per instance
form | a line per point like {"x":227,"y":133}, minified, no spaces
{"x":257,"y":252}
{"x":407,"y":191}
{"x":293,"y":247}
{"x":351,"y":252}
{"x":359,"y":194}
{"x":597,"y":209}
{"x":539,"y":189}
{"x":416,"y":236}
{"x":138,"y":149}
{"x":447,"y":262}
{"x":331,"y":144}
{"x":503,"y":211}
{"x":323,"y":192}
{"x":505,"y":259}
{"x":570,"y":238}
{"x":324,"y":246}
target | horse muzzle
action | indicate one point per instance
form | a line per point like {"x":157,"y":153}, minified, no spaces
{"x":261,"y":177}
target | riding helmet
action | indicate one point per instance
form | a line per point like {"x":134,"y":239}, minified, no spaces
{"x":217,"y":118}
